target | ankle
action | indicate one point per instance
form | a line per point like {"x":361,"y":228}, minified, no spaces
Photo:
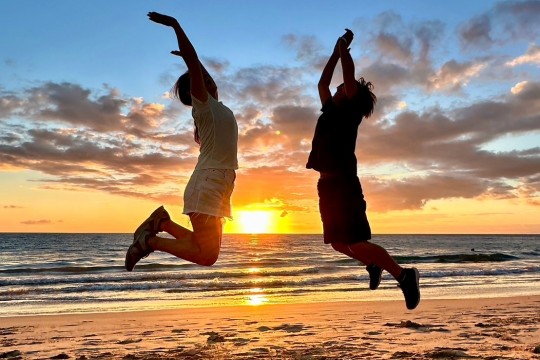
{"x":163,"y":224}
{"x":151,"y":241}
{"x":401,"y":276}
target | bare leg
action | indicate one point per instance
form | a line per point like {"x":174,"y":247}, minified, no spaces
{"x":370,"y":253}
{"x":200,"y":246}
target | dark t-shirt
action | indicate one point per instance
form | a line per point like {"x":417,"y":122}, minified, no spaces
{"x":332,"y":148}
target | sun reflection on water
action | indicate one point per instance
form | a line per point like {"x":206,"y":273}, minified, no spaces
{"x":257,"y":298}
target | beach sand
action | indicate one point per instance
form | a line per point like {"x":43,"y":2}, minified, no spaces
{"x":495,"y":328}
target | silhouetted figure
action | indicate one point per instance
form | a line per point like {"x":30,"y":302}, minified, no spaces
{"x":341,"y":201}
{"x":208,"y":192}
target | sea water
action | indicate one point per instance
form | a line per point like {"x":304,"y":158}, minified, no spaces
{"x":69,"y":273}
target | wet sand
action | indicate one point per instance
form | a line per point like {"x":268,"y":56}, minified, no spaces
{"x":495,"y":328}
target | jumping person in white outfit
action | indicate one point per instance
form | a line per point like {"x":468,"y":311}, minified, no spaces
{"x":208,"y":192}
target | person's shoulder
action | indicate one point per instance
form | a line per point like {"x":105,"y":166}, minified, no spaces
{"x":199,"y":105}
{"x":328,"y":105}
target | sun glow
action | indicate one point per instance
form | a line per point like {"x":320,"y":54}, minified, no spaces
{"x":257,"y":298}
{"x":255,"y":222}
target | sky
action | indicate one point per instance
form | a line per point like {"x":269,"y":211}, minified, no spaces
{"x":91,"y":141}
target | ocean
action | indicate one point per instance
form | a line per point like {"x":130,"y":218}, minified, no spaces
{"x":74,"y":273}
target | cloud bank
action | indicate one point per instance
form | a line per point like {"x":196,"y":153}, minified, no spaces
{"x":100,"y":139}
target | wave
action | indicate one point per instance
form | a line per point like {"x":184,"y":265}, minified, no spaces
{"x":90,"y":269}
{"x":456,"y":258}
{"x":212,"y":284}
{"x":189,"y":272}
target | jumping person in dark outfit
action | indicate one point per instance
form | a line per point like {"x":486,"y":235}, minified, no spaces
{"x":341,"y":201}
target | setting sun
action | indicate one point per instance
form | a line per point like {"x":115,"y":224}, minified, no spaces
{"x":255,"y":222}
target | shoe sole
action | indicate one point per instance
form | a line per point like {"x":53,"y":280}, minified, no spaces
{"x":129,"y":256}
{"x":378,"y":282}
{"x":143,"y":225}
{"x":417,"y":275}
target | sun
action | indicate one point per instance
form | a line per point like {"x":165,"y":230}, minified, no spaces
{"x":255,"y":222}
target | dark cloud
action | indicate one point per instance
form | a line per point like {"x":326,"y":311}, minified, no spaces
{"x":12,"y":207}
{"x":414,"y":192}
{"x":9,"y":104}
{"x":436,"y":143}
{"x":477,"y":32}
{"x":506,"y":21}
{"x":308,"y":50}
{"x":265,"y":85}
{"x":405,"y":43}
{"x":294,"y":122}
{"x":75,"y":158}
{"x":454,"y":140}
{"x":88,"y":139}
{"x":402,"y":55}
{"x":394,"y":48}
{"x":37,"y":222}
{"x":215,"y":66}
{"x":72,"y":104}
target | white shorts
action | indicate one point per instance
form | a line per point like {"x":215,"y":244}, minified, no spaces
{"x":209,"y":191}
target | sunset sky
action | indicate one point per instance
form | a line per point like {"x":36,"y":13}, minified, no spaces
{"x":90,"y":140}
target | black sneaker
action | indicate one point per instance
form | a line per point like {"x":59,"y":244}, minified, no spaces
{"x":410,"y":285}
{"x":152,"y":223}
{"x":138,"y":250}
{"x":375,"y":275}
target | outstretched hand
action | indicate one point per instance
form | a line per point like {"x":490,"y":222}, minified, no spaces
{"x":344,"y":40}
{"x":348,"y":36}
{"x":162,"y":19}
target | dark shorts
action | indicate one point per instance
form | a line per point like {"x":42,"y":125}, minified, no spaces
{"x":343,"y":210}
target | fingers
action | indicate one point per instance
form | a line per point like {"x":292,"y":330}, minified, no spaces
{"x":157,"y":17}
{"x":348,"y":36}
{"x":177,"y":53}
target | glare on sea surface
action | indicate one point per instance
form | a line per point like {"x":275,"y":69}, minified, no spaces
{"x":258,"y":298}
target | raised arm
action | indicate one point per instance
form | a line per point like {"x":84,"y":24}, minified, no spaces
{"x":347,"y":67}
{"x":326,"y":77}
{"x":328,"y":71}
{"x":188,"y":53}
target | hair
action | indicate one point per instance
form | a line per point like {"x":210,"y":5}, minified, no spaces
{"x":181,"y":89}
{"x":365,"y":97}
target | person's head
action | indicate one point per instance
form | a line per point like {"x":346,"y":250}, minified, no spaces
{"x":182,"y":88}
{"x":364,"y":97}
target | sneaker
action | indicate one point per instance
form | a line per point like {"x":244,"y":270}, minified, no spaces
{"x":138,"y":250}
{"x":410,"y":285}
{"x":375,"y":275}
{"x":152,"y":223}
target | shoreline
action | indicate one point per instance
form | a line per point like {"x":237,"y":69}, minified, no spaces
{"x":206,"y":305}
{"x":508,"y":327}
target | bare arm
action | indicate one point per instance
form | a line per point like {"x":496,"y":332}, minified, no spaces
{"x":347,"y":66}
{"x":326,"y":77}
{"x":328,"y":71}
{"x":188,"y":53}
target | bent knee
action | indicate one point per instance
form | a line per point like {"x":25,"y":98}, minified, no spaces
{"x":208,"y":259}
{"x":341,"y":247}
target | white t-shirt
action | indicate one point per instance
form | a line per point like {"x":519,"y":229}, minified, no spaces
{"x":218,"y":133}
